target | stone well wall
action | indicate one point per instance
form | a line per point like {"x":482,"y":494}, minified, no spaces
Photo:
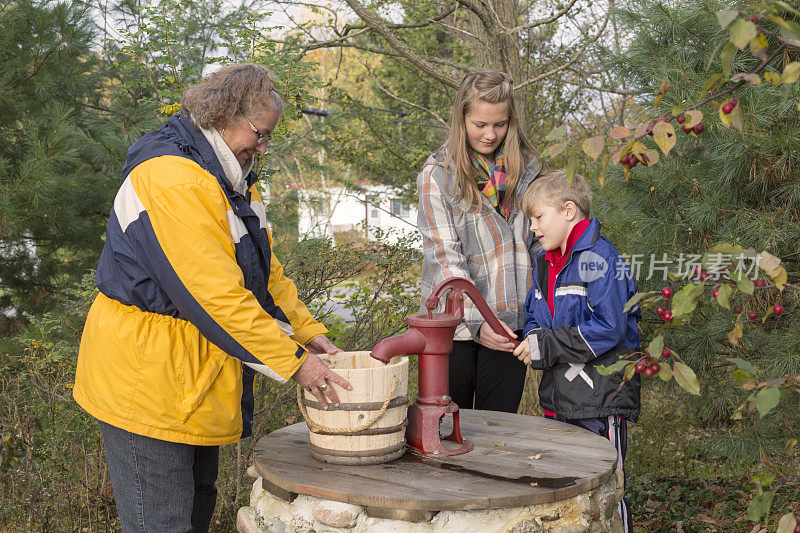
{"x":590,"y":512}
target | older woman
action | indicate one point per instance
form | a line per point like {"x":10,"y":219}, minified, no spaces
{"x":192,"y":303}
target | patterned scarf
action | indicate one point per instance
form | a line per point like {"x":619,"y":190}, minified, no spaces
{"x":491,"y":179}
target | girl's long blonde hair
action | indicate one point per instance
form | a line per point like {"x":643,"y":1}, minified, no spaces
{"x":493,"y":87}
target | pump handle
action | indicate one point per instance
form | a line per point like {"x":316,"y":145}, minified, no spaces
{"x":455,"y":303}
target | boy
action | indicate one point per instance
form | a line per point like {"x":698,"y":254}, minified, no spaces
{"x":573,"y":315}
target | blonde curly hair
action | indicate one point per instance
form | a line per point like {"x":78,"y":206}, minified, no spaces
{"x":237,"y":89}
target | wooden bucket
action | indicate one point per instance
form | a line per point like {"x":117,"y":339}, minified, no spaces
{"x":369,"y":425}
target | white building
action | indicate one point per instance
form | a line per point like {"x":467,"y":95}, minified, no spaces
{"x":365,"y":212}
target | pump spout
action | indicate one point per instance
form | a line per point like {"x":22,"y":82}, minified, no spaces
{"x":412,"y":342}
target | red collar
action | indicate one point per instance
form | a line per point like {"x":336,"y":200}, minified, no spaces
{"x":574,"y":235}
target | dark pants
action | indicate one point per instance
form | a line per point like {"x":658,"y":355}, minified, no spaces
{"x":481,"y":378}
{"x":160,"y":486}
{"x":615,"y":429}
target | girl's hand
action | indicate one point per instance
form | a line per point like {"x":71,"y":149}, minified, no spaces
{"x":523,"y":351}
{"x":493,"y":341}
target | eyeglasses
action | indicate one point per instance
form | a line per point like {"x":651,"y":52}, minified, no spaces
{"x":261,"y":138}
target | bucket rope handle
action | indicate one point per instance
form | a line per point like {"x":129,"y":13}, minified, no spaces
{"x":313,"y":426}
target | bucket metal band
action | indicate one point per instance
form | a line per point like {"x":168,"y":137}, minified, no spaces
{"x":359,"y":453}
{"x":397,"y":401}
{"x":369,"y":431}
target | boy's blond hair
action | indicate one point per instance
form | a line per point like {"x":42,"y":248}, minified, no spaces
{"x":552,"y":188}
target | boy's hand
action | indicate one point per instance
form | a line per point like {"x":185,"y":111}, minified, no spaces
{"x":493,"y":341}
{"x":523,"y":351}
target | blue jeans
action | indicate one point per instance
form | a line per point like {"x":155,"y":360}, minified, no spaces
{"x":160,"y":486}
{"x":615,"y":429}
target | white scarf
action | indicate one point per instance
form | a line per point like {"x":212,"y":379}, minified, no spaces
{"x":233,"y":171}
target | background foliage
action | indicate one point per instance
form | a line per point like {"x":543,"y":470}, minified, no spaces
{"x":81,"y":83}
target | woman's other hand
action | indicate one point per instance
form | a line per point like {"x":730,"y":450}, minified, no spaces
{"x":321,"y":344}
{"x":492,"y":340}
{"x":314,"y":374}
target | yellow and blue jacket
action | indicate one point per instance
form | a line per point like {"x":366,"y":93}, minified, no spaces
{"x":192,"y":300}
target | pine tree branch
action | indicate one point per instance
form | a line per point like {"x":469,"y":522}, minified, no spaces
{"x":379,"y":25}
{"x":540,"y":22}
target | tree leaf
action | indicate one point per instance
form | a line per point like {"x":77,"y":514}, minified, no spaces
{"x":726,"y":248}
{"x":769,"y":263}
{"x":736,"y":333}
{"x":724,"y":117}
{"x":736,"y":118}
{"x":664,"y":136}
{"x":740,"y":363}
{"x":685,"y":300}
{"x":786,"y":524}
{"x":723,"y":295}
{"x":556,"y":133}
{"x":751,"y":78}
{"x":661,"y":92}
{"x":726,"y":58}
{"x":656,"y":345}
{"x":742,"y":32}
{"x":791,"y":72}
{"x":553,"y":150}
{"x":767,"y":400}
{"x":759,"y":46}
{"x":593,"y":146}
{"x":666,"y":371}
{"x":759,"y":506}
{"x":743,"y":283}
{"x":619,"y":132}
{"x":571,"y":165}
{"x":686,"y":378}
{"x":725,"y":17}
{"x":678,"y":109}
{"x":630,"y":370}
{"x":780,"y":279}
{"x":612,"y":369}
{"x":709,"y":84}
{"x":772,"y":77}
{"x":634,"y":300}
{"x":693,"y":117}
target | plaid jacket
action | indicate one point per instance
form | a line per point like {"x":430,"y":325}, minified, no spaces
{"x":481,"y":246}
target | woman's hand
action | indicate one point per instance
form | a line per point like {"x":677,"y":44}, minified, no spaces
{"x":321,"y":344}
{"x":314,"y":374}
{"x":492,"y":340}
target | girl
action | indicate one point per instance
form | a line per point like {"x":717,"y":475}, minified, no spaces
{"x":472,"y":227}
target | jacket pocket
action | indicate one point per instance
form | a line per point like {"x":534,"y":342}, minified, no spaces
{"x":197,"y":380}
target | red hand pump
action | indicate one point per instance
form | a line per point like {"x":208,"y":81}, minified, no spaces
{"x":430,"y":335}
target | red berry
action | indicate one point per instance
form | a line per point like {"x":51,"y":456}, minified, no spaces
{"x":665,"y":352}
{"x":667,"y":316}
{"x":727,"y":108}
{"x":733,"y":102}
{"x":648,"y":372}
{"x":704,"y":275}
{"x":760,"y":282}
{"x":641,"y":366}
{"x":797,"y":528}
{"x":752,"y":315}
{"x":699,"y":128}
{"x":625,"y":160}
{"x":660,"y":311}
{"x":655,"y":367}
{"x":754,"y":19}
{"x":680,"y":119}
{"x":633,"y":161}
{"x":666,"y":292}
{"x":737,"y":309}
{"x":687,"y":129}
{"x":778,"y":309}
{"x":715,"y":293}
